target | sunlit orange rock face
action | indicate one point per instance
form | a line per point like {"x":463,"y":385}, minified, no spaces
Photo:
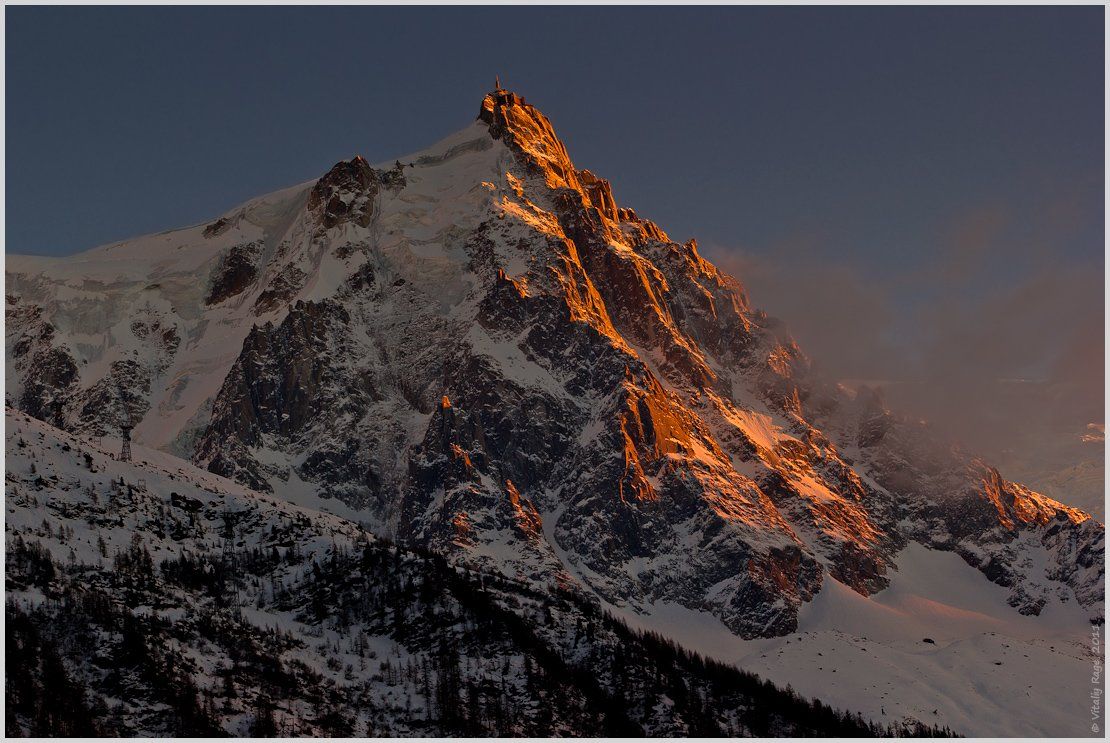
{"x":712,"y":422}
{"x":545,"y":383}
{"x":528,"y":131}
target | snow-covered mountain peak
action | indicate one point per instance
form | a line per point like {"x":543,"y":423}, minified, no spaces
{"x":619,"y":419}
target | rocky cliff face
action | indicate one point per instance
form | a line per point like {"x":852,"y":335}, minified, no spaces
{"x":482,"y":353}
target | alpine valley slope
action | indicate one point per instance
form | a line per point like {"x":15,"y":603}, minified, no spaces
{"x":154,"y":598}
{"x":475,"y":350}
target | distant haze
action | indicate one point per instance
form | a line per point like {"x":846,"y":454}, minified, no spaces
{"x":1013,"y":371}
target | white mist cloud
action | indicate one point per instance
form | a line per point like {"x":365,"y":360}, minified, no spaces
{"x":994,"y":342}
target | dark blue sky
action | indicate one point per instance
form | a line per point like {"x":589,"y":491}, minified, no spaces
{"x":901,"y":184}
{"x":873,"y":130}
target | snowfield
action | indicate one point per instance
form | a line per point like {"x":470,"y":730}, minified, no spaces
{"x":987,"y":672}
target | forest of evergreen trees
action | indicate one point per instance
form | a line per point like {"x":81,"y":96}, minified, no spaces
{"x":377,"y":641}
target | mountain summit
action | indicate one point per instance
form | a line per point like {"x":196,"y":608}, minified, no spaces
{"x":476,"y":350}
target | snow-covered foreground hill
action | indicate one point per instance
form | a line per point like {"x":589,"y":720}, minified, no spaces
{"x":154,"y":598}
{"x":986,"y":671}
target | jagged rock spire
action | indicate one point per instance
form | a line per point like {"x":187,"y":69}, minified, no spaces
{"x":529,"y":132}
{"x":532,"y":137}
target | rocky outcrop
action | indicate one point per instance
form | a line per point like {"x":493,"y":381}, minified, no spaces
{"x":345,"y":194}
{"x":284,"y":286}
{"x":235,"y":272}
{"x":51,"y":388}
{"x":48,"y":373}
{"x":217,"y":228}
{"x":284,"y":379}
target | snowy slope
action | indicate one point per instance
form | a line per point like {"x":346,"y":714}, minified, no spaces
{"x":987,"y":672}
{"x":141,"y":496}
{"x":92,"y":299}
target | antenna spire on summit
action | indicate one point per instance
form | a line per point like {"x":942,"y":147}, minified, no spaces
{"x":497,"y":82}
